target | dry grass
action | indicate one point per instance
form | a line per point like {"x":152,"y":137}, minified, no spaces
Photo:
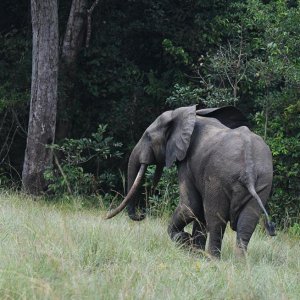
{"x":48,"y":252}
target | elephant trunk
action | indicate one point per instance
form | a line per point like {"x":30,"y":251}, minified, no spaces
{"x":140,"y":158}
{"x":157,"y":176}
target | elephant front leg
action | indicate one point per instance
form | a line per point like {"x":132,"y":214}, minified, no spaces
{"x":187,"y":211}
{"x":216,"y":207}
{"x":181,"y":217}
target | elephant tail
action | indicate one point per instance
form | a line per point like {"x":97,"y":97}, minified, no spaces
{"x":270,"y":226}
{"x":247,"y":179}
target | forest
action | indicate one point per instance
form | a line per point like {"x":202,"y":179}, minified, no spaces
{"x":86,"y":86}
{"x":132,"y":60}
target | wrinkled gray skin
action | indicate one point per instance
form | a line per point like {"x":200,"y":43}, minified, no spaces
{"x":224,"y":171}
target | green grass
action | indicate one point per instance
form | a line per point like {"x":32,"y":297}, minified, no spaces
{"x":50,"y":252}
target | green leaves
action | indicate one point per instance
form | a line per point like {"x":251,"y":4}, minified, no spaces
{"x":72,"y":159}
{"x":184,"y":95}
{"x":283,"y":137}
{"x":257,"y":67}
{"x":165,"y":198}
{"x":177,"y":53}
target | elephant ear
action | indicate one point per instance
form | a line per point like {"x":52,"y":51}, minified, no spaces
{"x":230,"y":116}
{"x":183,"y":123}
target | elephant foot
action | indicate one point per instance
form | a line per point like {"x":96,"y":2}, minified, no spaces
{"x":240,"y":252}
{"x":240,"y":249}
{"x":214,"y":255}
{"x":182,"y":238}
{"x":198,"y":242}
{"x":197,"y":248}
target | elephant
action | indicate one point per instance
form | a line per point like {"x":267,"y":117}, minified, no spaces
{"x":225,"y":175}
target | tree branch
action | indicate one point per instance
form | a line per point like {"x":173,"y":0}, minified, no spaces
{"x":89,"y":23}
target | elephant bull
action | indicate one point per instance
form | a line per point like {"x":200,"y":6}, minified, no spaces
{"x":225,"y":174}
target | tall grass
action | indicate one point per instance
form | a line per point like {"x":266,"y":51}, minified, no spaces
{"x":47,"y":252}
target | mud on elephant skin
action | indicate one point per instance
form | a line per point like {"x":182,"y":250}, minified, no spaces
{"x":225,"y":174}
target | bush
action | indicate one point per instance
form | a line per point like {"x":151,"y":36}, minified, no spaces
{"x":72,"y":157}
{"x":283,"y":137}
{"x":164,"y":199}
{"x":295,"y":230}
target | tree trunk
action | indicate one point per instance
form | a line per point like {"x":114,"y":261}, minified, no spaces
{"x":43,"y":104}
{"x":72,"y":43}
{"x":74,"y":35}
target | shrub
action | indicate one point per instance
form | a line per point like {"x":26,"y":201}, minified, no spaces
{"x":70,"y":175}
{"x":165,"y":198}
{"x":283,"y":137}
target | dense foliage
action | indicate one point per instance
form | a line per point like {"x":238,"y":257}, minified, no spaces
{"x":147,"y":56}
{"x":68,"y":176}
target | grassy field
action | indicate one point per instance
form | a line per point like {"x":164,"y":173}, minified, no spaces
{"x":53,"y":252}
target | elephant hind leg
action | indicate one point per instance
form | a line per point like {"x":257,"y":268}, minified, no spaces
{"x":248,"y":220}
{"x":216,"y":230}
{"x":216,"y":207}
{"x":246,"y":224}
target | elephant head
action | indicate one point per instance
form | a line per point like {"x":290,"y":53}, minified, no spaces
{"x":165,"y":141}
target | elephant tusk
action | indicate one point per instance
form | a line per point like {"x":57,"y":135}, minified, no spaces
{"x":133,"y":189}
